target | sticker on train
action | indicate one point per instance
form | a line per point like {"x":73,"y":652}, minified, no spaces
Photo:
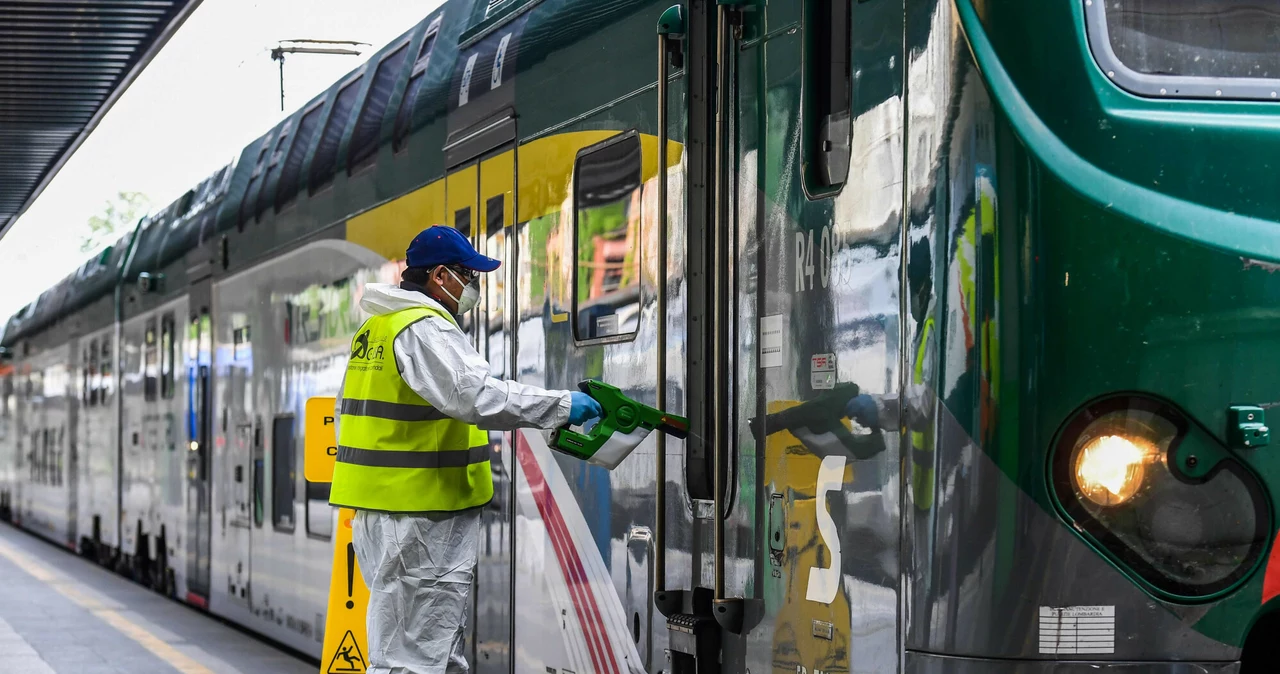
{"x":1077,"y":629}
{"x":771,"y":341}
{"x":822,"y":371}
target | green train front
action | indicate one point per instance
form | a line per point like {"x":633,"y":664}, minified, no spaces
{"x":1092,"y":296}
{"x":1042,"y":236}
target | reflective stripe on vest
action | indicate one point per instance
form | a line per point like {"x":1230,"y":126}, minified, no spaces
{"x":397,"y":453}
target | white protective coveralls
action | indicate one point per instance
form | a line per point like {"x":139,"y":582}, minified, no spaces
{"x":420,"y":568}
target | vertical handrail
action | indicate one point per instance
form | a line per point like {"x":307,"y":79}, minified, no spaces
{"x":660,"y":474}
{"x":718,"y":407}
{"x":728,"y":611}
{"x":670,"y":26}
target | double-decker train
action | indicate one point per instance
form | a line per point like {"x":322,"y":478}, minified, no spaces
{"x":967,"y":302}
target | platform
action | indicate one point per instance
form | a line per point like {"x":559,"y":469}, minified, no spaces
{"x":61,"y":614}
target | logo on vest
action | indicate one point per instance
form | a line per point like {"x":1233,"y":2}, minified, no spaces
{"x":366,"y":354}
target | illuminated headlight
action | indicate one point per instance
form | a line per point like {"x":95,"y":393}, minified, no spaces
{"x":1109,"y":468}
{"x":1160,"y":496}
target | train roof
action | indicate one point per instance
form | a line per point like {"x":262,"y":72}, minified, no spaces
{"x":160,"y":237}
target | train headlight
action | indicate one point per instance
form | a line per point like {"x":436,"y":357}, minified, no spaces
{"x":1160,"y":497}
{"x":1109,"y":468}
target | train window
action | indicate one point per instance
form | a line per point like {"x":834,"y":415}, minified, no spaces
{"x":327,"y":152}
{"x":94,"y":376}
{"x":364,"y":140}
{"x":84,"y":377}
{"x":462,"y":221}
{"x":283,"y":472}
{"x":287,"y":188}
{"x":150,"y":363}
{"x":254,"y":186}
{"x":829,"y":78}
{"x":1192,"y":38}
{"x":105,"y":367}
{"x":241,"y":343}
{"x":273,"y":169}
{"x":167,"y":355}
{"x":404,"y":116}
{"x":319,"y":512}
{"x":607,"y":192}
{"x":6,"y":397}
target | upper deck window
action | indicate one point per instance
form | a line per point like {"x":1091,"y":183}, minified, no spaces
{"x":404,"y":116}
{"x":1188,"y":48}
{"x":287,"y":188}
{"x":364,"y":142}
{"x":327,"y":152}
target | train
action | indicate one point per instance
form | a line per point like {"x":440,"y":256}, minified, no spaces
{"x":966,"y":302}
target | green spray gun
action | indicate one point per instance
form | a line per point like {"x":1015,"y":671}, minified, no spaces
{"x":622,"y":428}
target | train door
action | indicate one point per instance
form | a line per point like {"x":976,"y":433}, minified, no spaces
{"x":493,"y":613}
{"x":236,"y":478}
{"x":800,"y":360}
{"x":480,"y":197}
{"x":199,"y":435}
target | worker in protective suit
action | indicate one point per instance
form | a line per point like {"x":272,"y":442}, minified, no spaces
{"x":413,"y":460}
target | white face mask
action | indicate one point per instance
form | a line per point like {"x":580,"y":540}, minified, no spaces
{"x":470,"y":293}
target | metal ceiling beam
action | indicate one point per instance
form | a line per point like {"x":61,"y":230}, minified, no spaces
{"x":63,"y":64}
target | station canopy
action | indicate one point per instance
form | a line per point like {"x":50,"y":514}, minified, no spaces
{"x":63,"y":63}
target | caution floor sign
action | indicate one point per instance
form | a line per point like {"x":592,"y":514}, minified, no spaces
{"x":345,"y":640}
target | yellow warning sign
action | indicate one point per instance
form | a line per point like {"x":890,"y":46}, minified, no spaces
{"x":320,"y":446}
{"x":345,"y":640}
{"x":348,"y":659}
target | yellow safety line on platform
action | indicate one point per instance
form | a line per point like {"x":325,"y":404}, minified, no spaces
{"x":67,"y":588}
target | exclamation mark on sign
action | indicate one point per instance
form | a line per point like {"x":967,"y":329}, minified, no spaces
{"x":351,"y":569}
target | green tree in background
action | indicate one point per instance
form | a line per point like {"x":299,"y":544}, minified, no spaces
{"x":121,"y":214}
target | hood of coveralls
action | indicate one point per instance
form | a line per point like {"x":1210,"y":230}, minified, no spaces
{"x":384,"y":298}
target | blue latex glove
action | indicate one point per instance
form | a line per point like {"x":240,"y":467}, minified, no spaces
{"x":863,"y":409}
{"x":584,"y":408}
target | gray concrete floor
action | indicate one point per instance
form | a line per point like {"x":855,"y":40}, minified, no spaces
{"x":61,"y":614}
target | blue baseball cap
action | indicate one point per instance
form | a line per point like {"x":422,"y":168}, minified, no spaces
{"x":439,"y":245}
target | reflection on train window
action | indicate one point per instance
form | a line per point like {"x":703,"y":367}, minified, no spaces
{"x":326,"y":158}
{"x":830,"y":81}
{"x":1195,"y":38}
{"x":607,"y":196}
{"x":404,"y":116}
{"x":364,"y":140}
{"x":319,"y":513}
{"x":282,"y":472}
{"x":288,"y":186}
{"x":150,"y":362}
{"x":322,"y":312}
{"x":166,"y":356}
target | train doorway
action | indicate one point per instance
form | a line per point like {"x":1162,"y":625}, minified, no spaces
{"x":199,"y":431}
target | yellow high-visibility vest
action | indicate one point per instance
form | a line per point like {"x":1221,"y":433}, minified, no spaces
{"x":397,"y":453}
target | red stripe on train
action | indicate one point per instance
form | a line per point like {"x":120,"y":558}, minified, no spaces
{"x":601,"y":649}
